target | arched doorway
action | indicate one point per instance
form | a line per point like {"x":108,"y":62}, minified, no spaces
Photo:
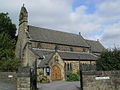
{"x":55,"y":73}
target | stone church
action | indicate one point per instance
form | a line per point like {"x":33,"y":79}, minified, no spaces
{"x":56,"y":52}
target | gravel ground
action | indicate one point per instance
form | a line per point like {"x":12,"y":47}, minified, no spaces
{"x":60,"y":85}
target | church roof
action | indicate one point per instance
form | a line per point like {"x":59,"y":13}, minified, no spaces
{"x":65,"y":55}
{"x":57,"y":37}
{"x":78,"y":55}
{"x":44,"y":63}
{"x":95,"y":46}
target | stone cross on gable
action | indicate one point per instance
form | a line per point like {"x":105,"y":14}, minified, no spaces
{"x":23,"y":4}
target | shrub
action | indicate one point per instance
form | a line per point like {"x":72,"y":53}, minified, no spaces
{"x":43,"y":79}
{"x":78,"y":72}
{"x":72,"y":76}
{"x":109,"y":60}
{"x":41,"y":72}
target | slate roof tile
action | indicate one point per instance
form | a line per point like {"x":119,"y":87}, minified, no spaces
{"x":95,"y":46}
{"x":58,"y":37}
{"x":65,"y":55}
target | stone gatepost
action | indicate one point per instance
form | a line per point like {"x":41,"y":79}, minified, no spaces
{"x":23,"y":78}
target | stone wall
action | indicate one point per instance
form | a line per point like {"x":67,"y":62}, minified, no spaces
{"x":91,"y":83}
{"x":16,"y":81}
{"x":23,"y":78}
{"x":8,"y":77}
{"x":9,"y":80}
{"x":75,"y":64}
{"x":50,"y":46}
{"x":23,"y":83}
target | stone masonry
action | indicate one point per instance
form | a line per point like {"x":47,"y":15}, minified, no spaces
{"x":90,"y":83}
{"x":23,"y":79}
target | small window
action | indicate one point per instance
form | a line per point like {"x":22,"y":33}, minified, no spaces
{"x":39,"y":45}
{"x":70,"y":67}
{"x":67,"y":66}
{"x":56,"y":47}
{"x":84,"y":50}
{"x":34,"y":44}
{"x":56,"y":58}
{"x":71,"y":49}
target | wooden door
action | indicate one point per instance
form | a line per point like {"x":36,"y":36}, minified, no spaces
{"x":55,"y":73}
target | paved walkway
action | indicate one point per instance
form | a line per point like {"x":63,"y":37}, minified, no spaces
{"x":6,"y":86}
{"x":59,"y":85}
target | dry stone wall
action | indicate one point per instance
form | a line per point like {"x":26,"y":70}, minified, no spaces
{"x":111,"y":80}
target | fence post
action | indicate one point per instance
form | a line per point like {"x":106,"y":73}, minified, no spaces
{"x":81,"y":78}
{"x":23,"y":78}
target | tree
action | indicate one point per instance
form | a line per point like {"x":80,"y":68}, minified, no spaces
{"x":6,"y":25}
{"x":9,"y":65}
{"x":109,"y":60}
{"x":8,"y":62}
{"x":6,"y":46}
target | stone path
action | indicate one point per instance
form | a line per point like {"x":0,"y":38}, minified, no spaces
{"x":59,"y":85}
{"x":6,"y":86}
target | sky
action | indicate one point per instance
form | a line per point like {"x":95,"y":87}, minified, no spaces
{"x":95,"y":19}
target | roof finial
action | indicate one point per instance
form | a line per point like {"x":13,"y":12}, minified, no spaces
{"x":97,"y":39}
{"x":79,"y":33}
{"x":23,"y":4}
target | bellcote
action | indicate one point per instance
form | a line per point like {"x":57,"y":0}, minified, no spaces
{"x":23,"y":17}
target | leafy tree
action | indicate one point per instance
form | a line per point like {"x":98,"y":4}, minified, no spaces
{"x":6,"y":25}
{"x":9,"y":65}
{"x":6,"y":46}
{"x":8,"y":62}
{"x":109,"y":60}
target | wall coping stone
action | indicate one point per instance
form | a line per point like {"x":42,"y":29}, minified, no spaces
{"x":101,"y":72}
{"x":24,"y":71}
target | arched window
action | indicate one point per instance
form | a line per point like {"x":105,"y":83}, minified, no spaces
{"x":67,"y":66}
{"x":70,"y":67}
{"x":56,"y":47}
{"x":71,"y":49}
{"x":39,"y":45}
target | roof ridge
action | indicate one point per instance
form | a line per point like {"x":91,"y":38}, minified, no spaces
{"x":91,"y":40}
{"x":50,"y":29}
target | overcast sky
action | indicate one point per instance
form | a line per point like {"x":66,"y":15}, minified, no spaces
{"x":95,"y":19}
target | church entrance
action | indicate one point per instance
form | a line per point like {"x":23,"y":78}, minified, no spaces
{"x":55,"y":73}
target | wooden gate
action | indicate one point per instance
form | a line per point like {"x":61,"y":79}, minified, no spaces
{"x":55,"y":73}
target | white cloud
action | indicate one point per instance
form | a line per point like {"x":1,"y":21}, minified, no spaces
{"x":112,"y":35}
{"x":109,"y":8}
